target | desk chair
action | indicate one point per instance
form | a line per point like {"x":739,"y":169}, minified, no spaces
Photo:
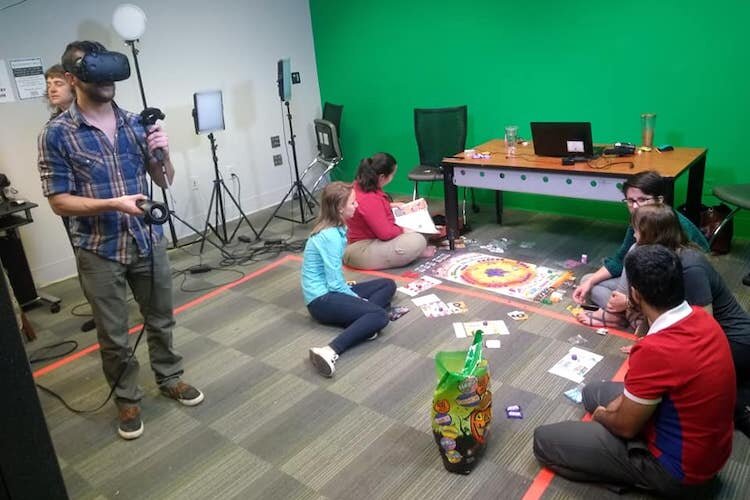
{"x":332,"y":113}
{"x":737,"y":195}
{"x":440,"y":132}
{"x":329,"y":152}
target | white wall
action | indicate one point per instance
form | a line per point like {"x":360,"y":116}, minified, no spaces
{"x":188,"y":46}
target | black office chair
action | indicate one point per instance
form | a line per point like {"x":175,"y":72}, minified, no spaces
{"x":329,"y":144}
{"x":332,"y":113}
{"x":739,"y":196}
{"x":329,"y":152}
{"x":327,"y":134}
{"x":440,"y":132}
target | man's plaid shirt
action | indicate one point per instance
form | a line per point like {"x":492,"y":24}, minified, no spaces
{"x":78,"y":158}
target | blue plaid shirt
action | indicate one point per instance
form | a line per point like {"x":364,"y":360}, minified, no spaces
{"x":78,"y":158}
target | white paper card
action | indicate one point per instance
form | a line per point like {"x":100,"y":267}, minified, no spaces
{"x":468,"y":329}
{"x":432,"y":306}
{"x":418,"y":286}
{"x":576,"y":364}
{"x":29,"y":76}
{"x":6,"y":94}
{"x":414,"y":216}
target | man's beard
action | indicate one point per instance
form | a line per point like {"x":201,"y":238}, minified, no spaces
{"x":101,"y":93}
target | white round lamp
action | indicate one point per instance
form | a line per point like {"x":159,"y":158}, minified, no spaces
{"x":129,"y":21}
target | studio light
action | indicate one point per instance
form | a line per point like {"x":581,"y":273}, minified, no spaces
{"x":129,"y":21}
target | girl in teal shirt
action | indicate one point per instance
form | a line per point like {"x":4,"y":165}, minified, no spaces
{"x":361,"y":309}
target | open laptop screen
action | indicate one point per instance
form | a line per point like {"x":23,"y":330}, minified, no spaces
{"x":562,"y":139}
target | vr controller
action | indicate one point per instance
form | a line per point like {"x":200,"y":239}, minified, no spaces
{"x":102,"y":67}
{"x":154,"y":212}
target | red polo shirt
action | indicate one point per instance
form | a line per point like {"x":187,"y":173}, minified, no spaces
{"x":685,"y":366}
{"x":373,"y":219}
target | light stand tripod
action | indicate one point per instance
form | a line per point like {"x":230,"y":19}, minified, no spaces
{"x":151,"y":115}
{"x":219,"y":226}
{"x":297,"y":189}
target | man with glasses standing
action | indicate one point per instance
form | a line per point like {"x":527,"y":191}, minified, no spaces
{"x":640,"y":189}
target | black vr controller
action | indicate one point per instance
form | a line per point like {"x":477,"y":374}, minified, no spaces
{"x":148,"y":118}
{"x":154,"y":212}
{"x":102,"y":67}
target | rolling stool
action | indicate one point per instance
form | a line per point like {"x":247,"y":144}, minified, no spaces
{"x":737,"y":195}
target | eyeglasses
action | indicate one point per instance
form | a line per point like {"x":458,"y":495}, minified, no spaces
{"x":637,"y":201}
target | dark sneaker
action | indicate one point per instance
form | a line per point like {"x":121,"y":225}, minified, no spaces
{"x":184,"y":393}
{"x":373,"y":336}
{"x":131,"y":425}
{"x":324,"y":359}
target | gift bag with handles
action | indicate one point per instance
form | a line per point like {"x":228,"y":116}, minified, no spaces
{"x":462,"y":407}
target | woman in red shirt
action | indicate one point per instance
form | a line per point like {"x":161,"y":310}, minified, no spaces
{"x":375,"y":241}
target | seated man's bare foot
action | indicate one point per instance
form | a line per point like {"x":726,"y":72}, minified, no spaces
{"x":626,"y":349}
{"x":429,"y":251}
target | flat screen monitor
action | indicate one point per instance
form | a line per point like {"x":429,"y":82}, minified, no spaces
{"x":284,"y":70}
{"x":562,"y":139}
{"x":208,"y":111}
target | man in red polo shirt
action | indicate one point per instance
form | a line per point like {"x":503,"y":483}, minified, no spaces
{"x":669,"y":427}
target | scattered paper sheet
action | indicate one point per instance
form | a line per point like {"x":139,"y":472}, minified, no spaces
{"x":6,"y":94}
{"x":459,"y":307}
{"x":468,"y":329}
{"x":416,"y":287}
{"x":576,"y":364}
{"x":414,"y":216}
{"x":432,"y":306}
{"x":29,"y":76}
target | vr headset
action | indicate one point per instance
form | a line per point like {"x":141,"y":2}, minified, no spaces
{"x":101,"y":67}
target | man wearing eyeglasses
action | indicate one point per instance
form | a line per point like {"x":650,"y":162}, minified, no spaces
{"x":640,"y":189}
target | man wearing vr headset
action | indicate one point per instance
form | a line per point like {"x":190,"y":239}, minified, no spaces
{"x":93,"y":161}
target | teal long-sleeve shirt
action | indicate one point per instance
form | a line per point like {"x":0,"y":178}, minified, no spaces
{"x":322,"y":270}
{"x":614,"y":264}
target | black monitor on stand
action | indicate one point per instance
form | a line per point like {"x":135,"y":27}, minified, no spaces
{"x":208,"y":117}
{"x":297,"y":190}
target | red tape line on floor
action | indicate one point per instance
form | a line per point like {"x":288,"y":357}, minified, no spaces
{"x":192,"y":303}
{"x":542,"y":480}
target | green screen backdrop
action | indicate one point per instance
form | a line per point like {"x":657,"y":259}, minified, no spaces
{"x":516,"y":62}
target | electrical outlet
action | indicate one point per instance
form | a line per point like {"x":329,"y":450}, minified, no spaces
{"x":277,"y":160}
{"x":296,"y":78}
{"x":275,"y":141}
{"x":194,"y":183}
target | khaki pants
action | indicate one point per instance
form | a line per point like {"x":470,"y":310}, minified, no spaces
{"x":376,"y":254}
{"x":104,"y":283}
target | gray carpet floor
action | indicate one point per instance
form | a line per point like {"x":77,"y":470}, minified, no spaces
{"x":271,"y":427}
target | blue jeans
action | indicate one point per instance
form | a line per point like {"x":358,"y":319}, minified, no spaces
{"x":361,"y":318}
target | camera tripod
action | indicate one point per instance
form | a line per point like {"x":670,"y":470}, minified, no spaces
{"x":216,"y":205}
{"x":297,"y":190}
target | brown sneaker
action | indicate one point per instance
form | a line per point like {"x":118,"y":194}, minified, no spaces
{"x":131,"y":425}
{"x":184,"y":393}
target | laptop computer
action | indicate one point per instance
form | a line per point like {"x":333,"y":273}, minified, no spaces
{"x":564,"y":139}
